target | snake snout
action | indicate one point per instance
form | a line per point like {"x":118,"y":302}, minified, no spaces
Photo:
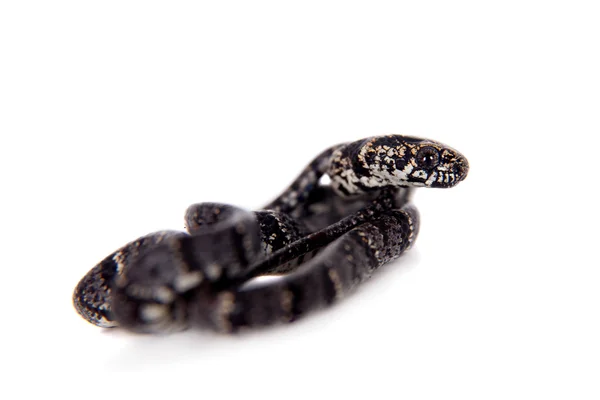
{"x":461,"y":169}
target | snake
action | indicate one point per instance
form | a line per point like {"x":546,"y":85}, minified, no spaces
{"x":307,"y":249}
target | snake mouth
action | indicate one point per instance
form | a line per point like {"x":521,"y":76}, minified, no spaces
{"x":455,"y":174}
{"x":447,"y":178}
{"x":442,"y":179}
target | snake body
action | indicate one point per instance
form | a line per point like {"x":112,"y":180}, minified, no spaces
{"x":319,"y":240}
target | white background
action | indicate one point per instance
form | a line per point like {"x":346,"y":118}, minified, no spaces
{"x":116,"y":115}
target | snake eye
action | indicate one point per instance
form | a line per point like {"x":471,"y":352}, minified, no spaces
{"x":428,"y":157}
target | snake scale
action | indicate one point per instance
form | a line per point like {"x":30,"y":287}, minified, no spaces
{"x":318,"y":240}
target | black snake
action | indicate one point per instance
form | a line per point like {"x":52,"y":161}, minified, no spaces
{"x":320,"y":239}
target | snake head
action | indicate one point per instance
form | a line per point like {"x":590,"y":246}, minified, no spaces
{"x":395,"y":161}
{"x":433,"y":164}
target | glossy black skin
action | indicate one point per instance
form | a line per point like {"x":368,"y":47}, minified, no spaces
{"x":324,"y":240}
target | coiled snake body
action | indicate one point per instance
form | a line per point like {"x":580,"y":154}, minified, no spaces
{"x":320,"y":240}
